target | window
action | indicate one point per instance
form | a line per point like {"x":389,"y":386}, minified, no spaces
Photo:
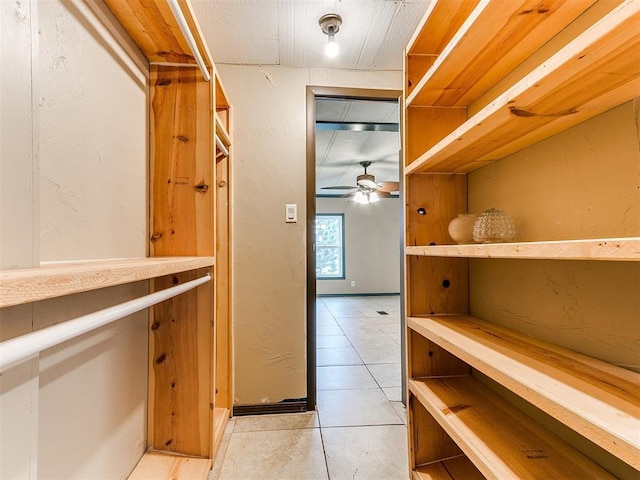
{"x":330,"y":246}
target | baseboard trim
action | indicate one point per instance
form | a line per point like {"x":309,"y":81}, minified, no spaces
{"x":286,"y":406}
{"x":391,"y":294}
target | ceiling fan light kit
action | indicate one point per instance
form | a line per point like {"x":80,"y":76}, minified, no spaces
{"x":366,"y":197}
{"x":367,"y":190}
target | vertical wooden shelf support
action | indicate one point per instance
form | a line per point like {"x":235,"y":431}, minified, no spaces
{"x":190,"y":386}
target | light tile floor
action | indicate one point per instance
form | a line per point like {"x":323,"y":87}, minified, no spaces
{"x":358,"y":430}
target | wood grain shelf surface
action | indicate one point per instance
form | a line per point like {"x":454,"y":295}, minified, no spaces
{"x":166,"y":466}
{"x":499,"y":439}
{"x":457,"y":468}
{"x":154,"y":29}
{"x":65,"y":278}
{"x":615,"y":249}
{"x":473,"y":61}
{"x":595,"y":72}
{"x":596,"y":399}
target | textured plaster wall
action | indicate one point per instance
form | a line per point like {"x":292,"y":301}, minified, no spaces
{"x":73,"y":159}
{"x":269,"y":105}
{"x":581,"y":183}
{"x":372,"y":246}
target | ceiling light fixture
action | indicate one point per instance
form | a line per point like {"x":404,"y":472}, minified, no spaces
{"x":330,"y":25}
{"x":365,"y":196}
{"x":360,"y":198}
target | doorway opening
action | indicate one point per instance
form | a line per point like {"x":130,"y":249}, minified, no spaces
{"x":354,"y":221}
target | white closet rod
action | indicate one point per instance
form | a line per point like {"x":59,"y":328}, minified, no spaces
{"x":188,"y":36}
{"x":221,"y":146}
{"x":19,"y":349}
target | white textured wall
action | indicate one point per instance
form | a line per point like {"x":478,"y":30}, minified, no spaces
{"x":269,"y":171}
{"x":372,"y":246}
{"x":73,"y":171}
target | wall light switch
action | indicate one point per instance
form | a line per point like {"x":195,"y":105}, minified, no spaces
{"x":292,"y":213}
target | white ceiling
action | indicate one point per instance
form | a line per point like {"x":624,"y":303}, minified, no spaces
{"x":373,"y":36}
{"x":286,"y":32}
{"x":339,"y":152}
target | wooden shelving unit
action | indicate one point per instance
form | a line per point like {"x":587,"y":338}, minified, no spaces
{"x":190,"y":359}
{"x":570,"y":87}
{"x":66,"y":278}
{"x":594,"y":398}
{"x":485,"y":79}
{"x":499,"y":439}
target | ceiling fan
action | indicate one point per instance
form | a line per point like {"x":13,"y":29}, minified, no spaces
{"x":366,"y":189}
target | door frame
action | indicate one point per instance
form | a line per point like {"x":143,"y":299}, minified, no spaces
{"x":337,"y":92}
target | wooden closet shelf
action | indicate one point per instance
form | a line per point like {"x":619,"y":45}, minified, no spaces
{"x":438,"y":25}
{"x":154,"y":29}
{"x":618,"y":249}
{"x":167,"y":466}
{"x":598,"y":400}
{"x":597,"y":71}
{"x":457,"y":468}
{"x":65,"y":278}
{"x":499,"y":439}
{"x":473,"y":61}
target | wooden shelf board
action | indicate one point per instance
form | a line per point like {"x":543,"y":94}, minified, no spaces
{"x":500,"y":440}
{"x":65,"y":278}
{"x":618,"y":249}
{"x":457,"y":468}
{"x":596,"y":399}
{"x":438,"y":25}
{"x":597,"y":71}
{"x":166,"y":466}
{"x":154,"y":30}
{"x":221,"y":131}
{"x":473,"y":61}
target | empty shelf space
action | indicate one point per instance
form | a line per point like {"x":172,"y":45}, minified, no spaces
{"x":166,"y":466}
{"x":458,"y":468}
{"x":618,"y":249}
{"x":473,"y":61}
{"x":500,"y":440}
{"x":65,"y":278}
{"x":595,"y":72}
{"x":598,"y":400}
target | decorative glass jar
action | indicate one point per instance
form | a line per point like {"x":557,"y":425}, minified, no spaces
{"x":494,"y":226}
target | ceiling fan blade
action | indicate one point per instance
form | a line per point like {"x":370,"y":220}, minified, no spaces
{"x":383,"y":194}
{"x":339,"y":187}
{"x":365,"y":182}
{"x":388,"y":186}
{"x":352,"y":194}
